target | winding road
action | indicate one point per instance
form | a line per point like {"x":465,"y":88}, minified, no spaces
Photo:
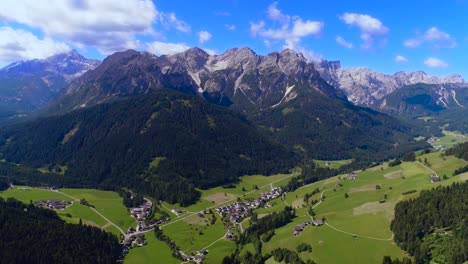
{"x":368,"y":237}
{"x":345,"y":232}
{"x":96,"y":211}
{"x":435,"y":173}
{"x":229,"y":201}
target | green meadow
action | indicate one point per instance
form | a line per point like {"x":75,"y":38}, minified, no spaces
{"x":110,"y":204}
{"x":154,"y":252}
{"x":358,"y":227}
{"x":450,"y":139}
{"x":332,"y":164}
{"x":357,"y":212}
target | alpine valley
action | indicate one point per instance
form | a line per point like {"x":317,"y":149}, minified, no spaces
{"x":226,"y":158}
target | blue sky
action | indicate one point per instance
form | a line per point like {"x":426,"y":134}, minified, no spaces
{"x":387,"y":36}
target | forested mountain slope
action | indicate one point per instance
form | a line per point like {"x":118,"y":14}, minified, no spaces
{"x":191,"y":143}
{"x":281,"y":92}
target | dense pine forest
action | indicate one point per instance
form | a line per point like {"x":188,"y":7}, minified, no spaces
{"x":112,"y":145}
{"x":36,"y":235}
{"x":434,"y":226}
{"x":460,"y":151}
{"x":331,"y":128}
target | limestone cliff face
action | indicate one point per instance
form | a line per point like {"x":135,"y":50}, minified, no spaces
{"x":365,"y":87}
{"x":239,"y":76}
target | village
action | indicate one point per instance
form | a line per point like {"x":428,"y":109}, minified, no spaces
{"x":232,"y":213}
{"x":53,"y":204}
{"x":134,"y":237}
{"x":240,"y":210}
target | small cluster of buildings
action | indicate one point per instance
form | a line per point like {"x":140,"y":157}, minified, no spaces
{"x":134,"y":236}
{"x":53,"y":204}
{"x":432,"y":141}
{"x":198,"y":258}
{"x":274,"y":193}
{"x":240,"y":210}
{"x":352,"y":176}
{"x":299,"y":228}
{"x":137,"y":240}
{"x":178,"y":212}
{"x":435,"y":178}
{"x":229,"y":234}
{"x":141,"y":212}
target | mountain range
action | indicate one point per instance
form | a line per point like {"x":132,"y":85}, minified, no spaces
{"x":282,"y":93}
{"x":364,"y":86}
{"x":237,"y":76}
{"x":26,"y":86}
{"x":227,"y":115}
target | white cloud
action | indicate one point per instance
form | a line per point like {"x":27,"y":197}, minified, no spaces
{"x":276,"y":14}
{"x":203,"y":36}
{"x":435,"y":63}
{"x":255,"y":28}
{"x":400,"y":58}
{"x":230,"y":27}
{"x":17,"y":44}
{"x":371,"y":28}
{"x":163,"y":48}
{"x":108,"y":25}
{"x":340,"y":40}
{"x":290,"y":30}
{"x":412,"y":43}
{"x":169,"y":20}
{"x":433,"y":36}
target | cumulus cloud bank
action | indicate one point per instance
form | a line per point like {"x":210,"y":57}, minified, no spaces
{"x":372,"y":30}
{"x":290,"y":30}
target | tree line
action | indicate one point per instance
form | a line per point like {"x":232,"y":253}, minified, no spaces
{"x":36,"y":235}
{"x":434,"y":226}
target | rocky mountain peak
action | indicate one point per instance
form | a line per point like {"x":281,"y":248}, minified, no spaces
{"x":196,"y":52}
{"x":71,"y":55}
{"x":238,"y":75}
{"x":291,"y":62}
{"x":332,"y":65}
{"x":238,"y":56}
{"x":289,"y":53}
{"x":69,"y":64}
{"x":194,"y":59}
{"x":28,"y":85}
{"x":364,"y":86}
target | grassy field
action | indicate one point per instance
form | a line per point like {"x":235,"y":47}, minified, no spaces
{"x":450,"y":139}
{"x":361,"y":213}
{"x":62,"y":171}
{"x":109,"y":204}
{"x":154,"y":252}
{"x":333,"y":164}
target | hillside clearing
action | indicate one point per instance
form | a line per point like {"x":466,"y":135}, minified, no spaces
{"x":394,"y":175}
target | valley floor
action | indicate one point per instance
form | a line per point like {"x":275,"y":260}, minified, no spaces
{"x":357,"y":213}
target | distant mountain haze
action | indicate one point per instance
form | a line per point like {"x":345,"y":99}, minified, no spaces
{"x":26,"y":86}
